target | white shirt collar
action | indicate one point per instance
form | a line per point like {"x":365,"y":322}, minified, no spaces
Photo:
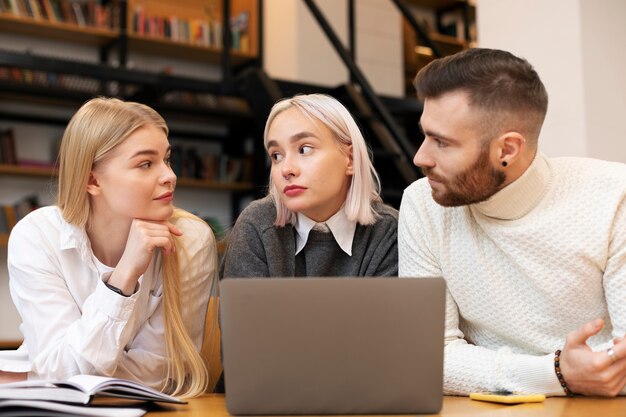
{"x":339,"y":225}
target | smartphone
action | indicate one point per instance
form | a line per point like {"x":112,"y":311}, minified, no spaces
{"x":507,"y":397}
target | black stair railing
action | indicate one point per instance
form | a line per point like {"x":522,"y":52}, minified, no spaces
{"x":408,"y":150}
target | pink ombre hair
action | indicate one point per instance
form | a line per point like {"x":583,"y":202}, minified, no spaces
{"x":365,"y":184}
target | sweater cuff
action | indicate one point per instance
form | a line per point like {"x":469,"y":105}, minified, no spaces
{"x":536,"y":374}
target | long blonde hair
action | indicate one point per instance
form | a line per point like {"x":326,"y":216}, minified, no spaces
{"x":365,"y":183}
{"x":98,"y":127}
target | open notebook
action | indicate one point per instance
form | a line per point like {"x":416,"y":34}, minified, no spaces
{"x":332,"y":345}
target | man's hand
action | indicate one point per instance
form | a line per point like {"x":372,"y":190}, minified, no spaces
{"x":143,"y":239}
{"x":593,"y":373}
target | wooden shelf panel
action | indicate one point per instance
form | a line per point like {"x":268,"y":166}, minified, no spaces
{"x":182,"y":181}
{"x":4,"y":241}
{"x":445,"y":39}
{"x":26,"y":171}
{"x":56,"y":30}
{"x":10,"y":344}
{"x":183,"y":50}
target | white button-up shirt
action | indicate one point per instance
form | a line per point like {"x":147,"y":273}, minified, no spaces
{"x":73,"y":324}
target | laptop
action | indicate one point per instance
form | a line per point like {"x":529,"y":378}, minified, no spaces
{"x":332,"y":345}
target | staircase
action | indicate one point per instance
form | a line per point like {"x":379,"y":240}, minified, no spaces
{"x":390,"y":125}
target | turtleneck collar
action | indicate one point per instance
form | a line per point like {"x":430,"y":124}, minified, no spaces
{"x":518,"y":198}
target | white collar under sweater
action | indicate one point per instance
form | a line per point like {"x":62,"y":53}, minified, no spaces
{"x":340,"y":226}
{"x":518,"y":198}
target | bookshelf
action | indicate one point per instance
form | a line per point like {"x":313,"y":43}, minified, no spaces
{"x":186,"y":29}
{"x":192,"y":29}
{"x":42,"y":77}
{"x":38,"y":79}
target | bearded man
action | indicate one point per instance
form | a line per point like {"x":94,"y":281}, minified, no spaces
{"x":532,"y":249}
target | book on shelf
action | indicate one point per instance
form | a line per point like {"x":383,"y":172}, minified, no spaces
{"x":83,"y":389}
{"x":39,"y":9}
{"x":24,"y":8}
{"x":46,"y":10}
{"x":7,"y":213}
{"x":67,"y":12}
{"x":7,"y":147}
{"x":13,"y":7}
{"x":11,"y":213}
{"x":187,"y":162}
{"x":239,"y":32}
{"x":33,"y":408}
{"x":4,"y":223}
{"x":80,"y":15}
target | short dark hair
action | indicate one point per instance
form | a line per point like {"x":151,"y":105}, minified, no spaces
{"x":496,"y":81}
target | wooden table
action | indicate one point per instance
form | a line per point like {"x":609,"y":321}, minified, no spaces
{"x":213,"y":405}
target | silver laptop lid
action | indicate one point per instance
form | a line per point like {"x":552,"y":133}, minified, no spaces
{"x":333,"y":345}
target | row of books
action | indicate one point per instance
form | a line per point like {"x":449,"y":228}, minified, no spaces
{"x":7,"y":147}
{"x":90,"y":13}
{"x":202,"y":32}
{"x":82,"y":13}
{"x":93,"y":86}
{"x":187,"y":162}
{"x":27,"y":76}
{"x":11,"y":213}
{"x":205,"y":100}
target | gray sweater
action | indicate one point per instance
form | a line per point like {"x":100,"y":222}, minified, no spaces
{"x":257,"y":248}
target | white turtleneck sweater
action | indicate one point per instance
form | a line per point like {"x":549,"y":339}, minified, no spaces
{"x":540,"y":258}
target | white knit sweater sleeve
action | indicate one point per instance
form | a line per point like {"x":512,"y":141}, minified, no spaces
{"x":467,"y":368}
{"x":615,"y":271}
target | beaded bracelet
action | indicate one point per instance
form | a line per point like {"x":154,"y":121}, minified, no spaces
{"x":559,"y":375}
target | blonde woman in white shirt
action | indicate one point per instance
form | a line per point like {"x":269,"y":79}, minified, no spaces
{"x":114,"y":280}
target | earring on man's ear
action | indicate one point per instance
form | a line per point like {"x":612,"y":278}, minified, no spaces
{"x":504,"y":163}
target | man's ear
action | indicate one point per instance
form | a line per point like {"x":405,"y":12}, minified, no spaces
{"x":509,"y":148}
{"x":93,"y":187}
{"x":350,"y":165}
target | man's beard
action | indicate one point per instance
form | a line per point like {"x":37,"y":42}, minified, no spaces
{"x":477,"y":183}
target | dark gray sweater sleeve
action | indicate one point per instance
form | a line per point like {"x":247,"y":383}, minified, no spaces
{"x":245,"y":254}
{"x":384,"y":247}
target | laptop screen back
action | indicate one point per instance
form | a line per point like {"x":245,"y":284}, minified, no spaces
{"x":332,"y":345}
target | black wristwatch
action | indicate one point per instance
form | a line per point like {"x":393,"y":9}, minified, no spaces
{"x":115,"y":289}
